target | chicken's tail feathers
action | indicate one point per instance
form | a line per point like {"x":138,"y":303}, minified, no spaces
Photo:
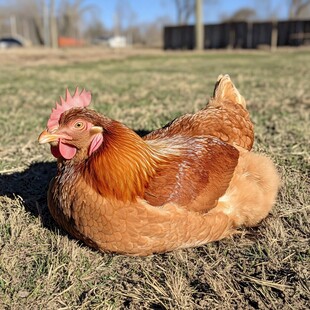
{"x":225,"y":90}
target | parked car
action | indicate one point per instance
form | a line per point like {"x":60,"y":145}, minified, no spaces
{"x":7,"y":42}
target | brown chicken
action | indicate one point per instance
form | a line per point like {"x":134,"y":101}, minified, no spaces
{"x":189,"y":183}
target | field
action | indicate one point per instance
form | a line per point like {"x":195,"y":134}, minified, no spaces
{"x":41,"y":267}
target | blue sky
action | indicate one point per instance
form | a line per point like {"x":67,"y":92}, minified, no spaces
{"x":148,"y":10}
{"x":145,"y":11}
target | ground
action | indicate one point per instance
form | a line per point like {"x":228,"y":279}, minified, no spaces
{"x":41,"y":267}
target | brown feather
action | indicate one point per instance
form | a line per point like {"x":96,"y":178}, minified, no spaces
{"x":202,"y":170}
{"x":123,"y":166}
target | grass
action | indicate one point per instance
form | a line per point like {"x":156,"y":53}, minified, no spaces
{"x":266,"y":267}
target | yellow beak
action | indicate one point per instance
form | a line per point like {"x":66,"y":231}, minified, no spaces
{"x":46,"y":137}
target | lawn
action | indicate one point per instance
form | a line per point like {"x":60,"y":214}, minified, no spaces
{"x":267,"y":267}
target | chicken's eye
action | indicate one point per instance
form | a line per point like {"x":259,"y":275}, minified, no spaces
{"x":79,"y":125}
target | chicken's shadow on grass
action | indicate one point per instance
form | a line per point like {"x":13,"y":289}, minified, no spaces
{"x":31,"y":185}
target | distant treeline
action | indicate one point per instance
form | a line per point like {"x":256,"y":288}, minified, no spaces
{"x":240,"y":35}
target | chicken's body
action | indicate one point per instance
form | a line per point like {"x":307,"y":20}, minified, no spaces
{"x":172,"y":189}
{"x":134,"y":228}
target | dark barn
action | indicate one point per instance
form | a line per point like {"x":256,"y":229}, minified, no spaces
{"x":240,"y":35}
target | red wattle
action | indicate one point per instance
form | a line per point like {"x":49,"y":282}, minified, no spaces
{"x":55,"y":151}
{"x":67,"y":151}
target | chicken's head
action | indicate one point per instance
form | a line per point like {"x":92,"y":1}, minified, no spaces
{"x":73,"y":130}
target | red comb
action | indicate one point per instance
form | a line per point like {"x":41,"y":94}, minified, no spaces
{"x":76,"y":101}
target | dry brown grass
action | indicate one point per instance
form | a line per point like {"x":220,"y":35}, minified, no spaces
{"x":41,"y":267}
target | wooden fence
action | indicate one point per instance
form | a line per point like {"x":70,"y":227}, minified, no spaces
{"x":240,"y":35}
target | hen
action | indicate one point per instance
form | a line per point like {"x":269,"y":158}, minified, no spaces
{"x":186,"y":184}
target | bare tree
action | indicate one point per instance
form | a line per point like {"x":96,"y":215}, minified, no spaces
{"x":299,"y":8}
{"x":118,"y":18}
{"x":149,"y":34}
{"x":243,"y":14}
{"x":30,"y":11}
{"x":124,"y":18}
{"x":95,"y":30}
{"x":71,"y":15}
{"x":53,"y":25}
{"x":152,"y":34}
{"x":185,"y":9}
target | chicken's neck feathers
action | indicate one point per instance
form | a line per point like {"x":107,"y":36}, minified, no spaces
{"x":123,"y":166}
